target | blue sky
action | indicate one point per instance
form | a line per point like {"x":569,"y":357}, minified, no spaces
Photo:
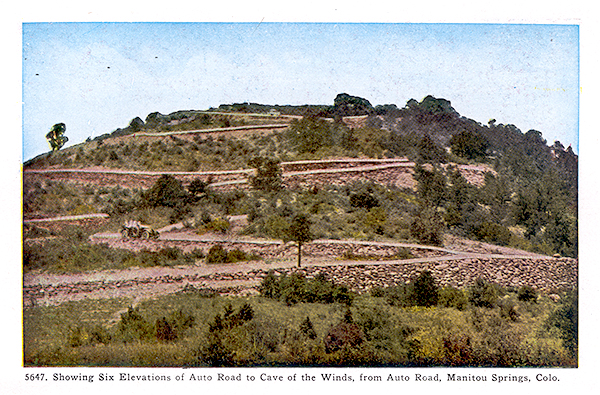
{"x":96,"y":77}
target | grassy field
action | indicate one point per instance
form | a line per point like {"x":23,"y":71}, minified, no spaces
{"x":196,"y":329}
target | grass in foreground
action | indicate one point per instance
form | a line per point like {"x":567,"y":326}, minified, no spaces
{"x":196,"y":329}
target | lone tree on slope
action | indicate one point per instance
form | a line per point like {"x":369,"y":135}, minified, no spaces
{"x":299,"y":231}
{"x":56,"y":137}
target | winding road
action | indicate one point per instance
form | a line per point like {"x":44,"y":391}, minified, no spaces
{"x":240,"y":278}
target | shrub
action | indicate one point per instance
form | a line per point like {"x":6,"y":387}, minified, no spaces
{"x":218,"y":225}
{"x":269,"y":286}
{"x":458,"y":350}
{"x":215,"y":353}
{"x":398,"y":295}
{"x":164,"y":331}
{"x":527,"y":294}
{"x":428,"y":227}
{"x":167,"y":191}
{"x":293,"y":289}
{"x":493,"y":233}
{"x":236,"y":255}
{"x":482,"y":294}
{"x":566,"y":319}
{"x":172,"y":328}
{"x":364,"y":199}
{"x":197,"y":187}
{"x":268,"y":175}
{"x":508,"y":309}
{"x":343,"y":335}
{"x":296,"y":289}
{"x":99,"y":334}
{"x":425,"y":291}
{"x":341,"y":294}
{"x":133,"y":327}
{"x":306,"y":328}
{"x":216,"y":254}
{"x":452,"y":297}
{"x":231,"y":319}
{"x":377,"y":292}
{"x":276,"y":226}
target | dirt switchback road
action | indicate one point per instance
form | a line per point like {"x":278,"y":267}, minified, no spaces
{"x":244,"y":277}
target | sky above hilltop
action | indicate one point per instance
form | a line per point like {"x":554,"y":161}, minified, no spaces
{"x":96,"y":77}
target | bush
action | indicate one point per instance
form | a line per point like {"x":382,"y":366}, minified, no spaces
{"x":297,"y":289}
{"x":428,"y":227}
{"x":458,"y":350}
{"x":508,"y":309}
{"x":425,"y":291}
{"x":133,"y":327}
{"x":218,"y":225}
{"x":344,"y":334}
{"x":307,"y":329}
{"x":231,"y":319}
{"x":216,"y":254}
{"x":566,"y":319}
{"x":167,"y":191}
{"x":268,"y":175}
{"x":483,"y":294}
{"x":452,"y":297}
{"x":216,"y":353}
{"x":173,"y":327}
{"x":527,"y":294}
{"x":493,"y":233}
{"x":197,"y":188}
{"x":364,"y":199}
{"x":269,"y":286}
{"x":399,"y":295}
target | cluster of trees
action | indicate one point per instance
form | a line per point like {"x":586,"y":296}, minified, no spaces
{"x":296,"y":288}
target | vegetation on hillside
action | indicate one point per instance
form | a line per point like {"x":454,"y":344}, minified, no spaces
{"x":529,"y":203}
{"x":310,"y":322}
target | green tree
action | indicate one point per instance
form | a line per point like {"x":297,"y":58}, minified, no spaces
{"x":268,"y":174}
{"x":469,"y":145}
{"x":425,"y":291}
{"x":133,"y":327}
{"x":566,"y":319}
{"x":299,"y":232}
{"x":431,"y":186}
{"x":483,"y":294}
{"x":56,"y":137}
{"x":309,"y":134}
{"x":429,"y":151}
{"x":428,"y":227}
{"x":306,"y":328}
{"x":365,"y":198}
{"x":167,"y":191}
{"x":347,"y":105}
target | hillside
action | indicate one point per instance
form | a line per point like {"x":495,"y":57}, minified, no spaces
{"x":343,"y":235}
{"x":427,"y":167}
